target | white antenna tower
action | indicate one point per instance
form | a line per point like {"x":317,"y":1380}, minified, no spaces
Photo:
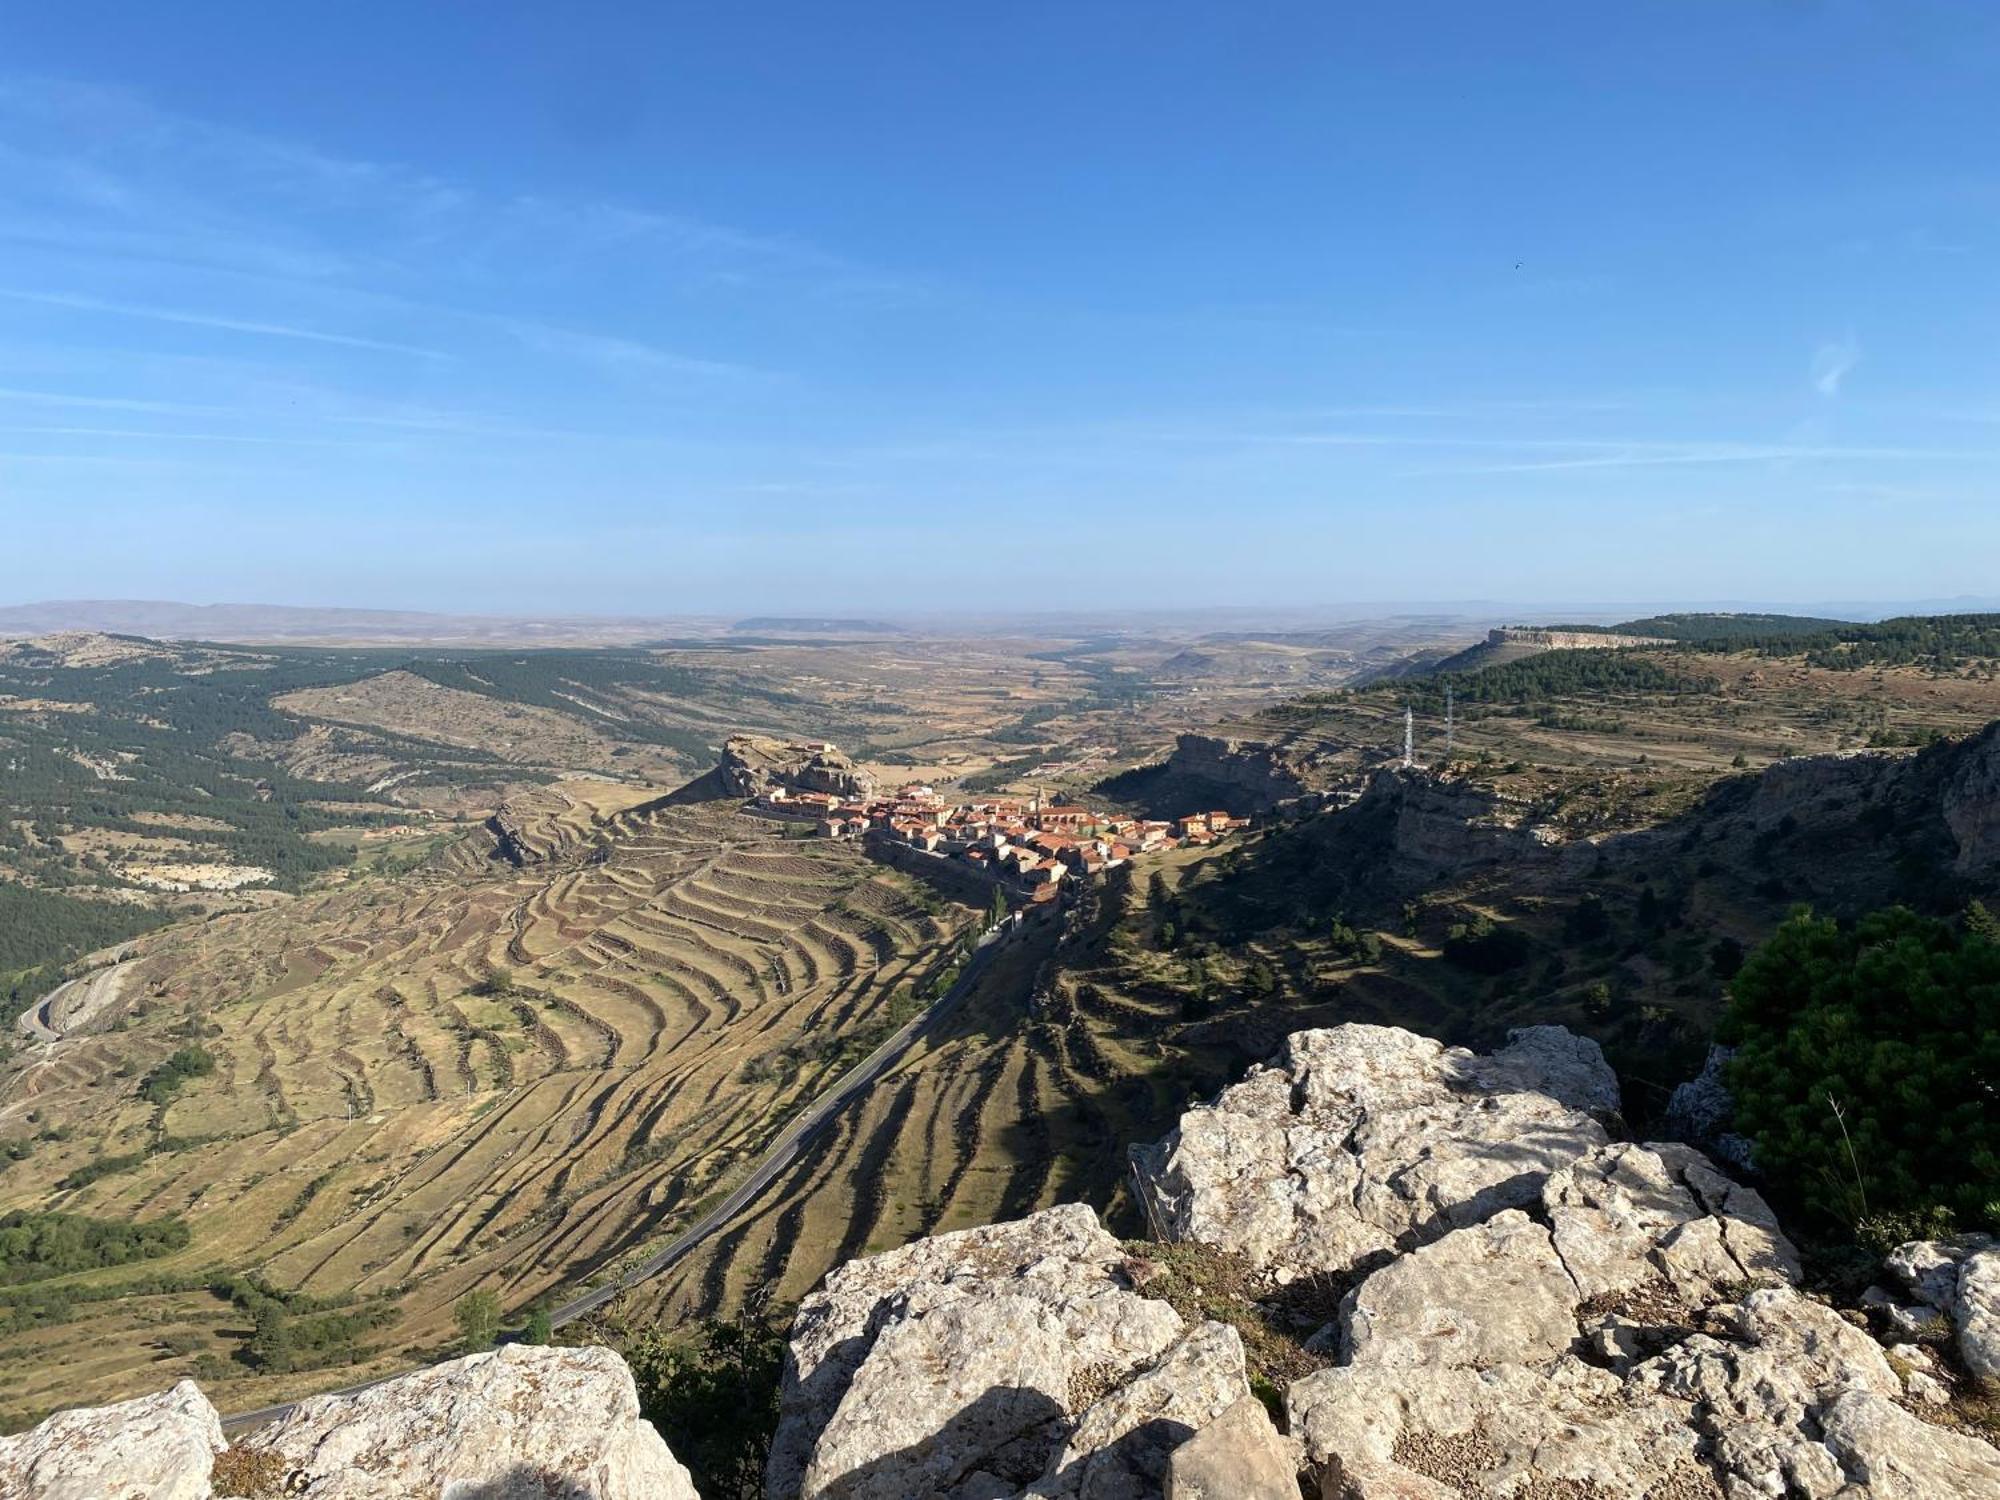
{"x":1409,"y":736}
{"x":1447,"y":723}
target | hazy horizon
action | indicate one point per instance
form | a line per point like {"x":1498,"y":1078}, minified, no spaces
{"x":180,"y":617}
{"x":669,"y":311}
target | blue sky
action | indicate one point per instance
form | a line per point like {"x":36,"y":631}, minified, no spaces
{"x":664,"y":307}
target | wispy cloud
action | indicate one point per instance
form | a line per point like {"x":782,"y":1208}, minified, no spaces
{"x":179,"y":435}
{"x":105,"y":172}
{"x":1670,"y":455}
{"x":1832,"y":363}
{"x":112,"y":403}
{"x":216,"y":321}
{"x":620,"y":353}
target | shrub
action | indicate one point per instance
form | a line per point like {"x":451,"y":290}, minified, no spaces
{"x":477,"y":1314}
{"x":1866,"y":1062}
{"x":713,"y":1395}
{"x":164,"y":1082}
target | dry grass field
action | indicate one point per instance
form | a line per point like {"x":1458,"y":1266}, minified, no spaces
{"x":473,"y":1075}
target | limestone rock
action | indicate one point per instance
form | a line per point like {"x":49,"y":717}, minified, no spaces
{"x":1976,"y":1312}
{"x":1238,"y":1456}
{"x":1929,"y":1268}
{"x":754,"y":763}
{"x":158,"y":1447}
{"x":1121,"y":1446}
{"x":1363,"y":1140}
{"x":1957,"y":1278}
{"x":1541,"y":1311}
{"x":1702,"y":1112}
{"x":1496,"y":1293}
{"x":1891,"y":1455}
{"x":1626,"y":1217}
{"x":1000,"y":1363}
{"x":1244,"y":776}
{"x":522,"y":1423}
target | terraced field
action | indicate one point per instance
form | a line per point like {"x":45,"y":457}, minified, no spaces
{"x":475,"y":1075}
{"x":996,"y":1116}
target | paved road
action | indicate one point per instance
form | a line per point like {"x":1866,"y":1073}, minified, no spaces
{"x":783,"y":1152}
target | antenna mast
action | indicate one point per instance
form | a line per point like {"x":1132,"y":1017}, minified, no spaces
{"x":1447,"y":724}
{"x":1409,"y":736}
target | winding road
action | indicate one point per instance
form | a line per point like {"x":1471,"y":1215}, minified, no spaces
{"x":782,"y":1153}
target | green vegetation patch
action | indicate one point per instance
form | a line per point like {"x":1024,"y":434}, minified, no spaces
{"x":1941,"y":642}
{"x":712,"y":1392}
{"x":34,"y":1246}
{"x":167,"y":1080}
{"x":41,"y":929}
{"x":1867,"y":1057}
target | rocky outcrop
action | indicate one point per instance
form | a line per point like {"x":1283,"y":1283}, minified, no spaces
{"x":1534,"y":1309}
{"x":1972,"y":804}
{"x":1362,"y":1141}
{"x":1770,"y":1394}
{"x":754,"y":763}
{"x":1955,"y":1281}
{"x":1238,"y":1456}
{"x":1014,"y":1360}
{"x":523,"y":1423}
{"x":1702,"y":1112}
{"x":1240,"y":776}
{"x":516,"y":1424}
{"x":1439,"y":825}
{"x":158,"y":1447}
{"x":1570,"y":640}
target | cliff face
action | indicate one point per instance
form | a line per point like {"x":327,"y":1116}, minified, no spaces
{"x":1449,"y":825}
{"x":1972,"y":804}
{"x":1569,"y":640}
{"x":1238,"y":776}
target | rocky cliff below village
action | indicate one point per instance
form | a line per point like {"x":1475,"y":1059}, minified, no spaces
{"x":1235,"y":775}
{"x":753,"y":763}
{"x":1383,"y":1269}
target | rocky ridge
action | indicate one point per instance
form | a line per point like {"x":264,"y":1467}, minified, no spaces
{"x":1514,"y":1304}
{"x":1528,"y":1308}
{"x":1537,"y":1310}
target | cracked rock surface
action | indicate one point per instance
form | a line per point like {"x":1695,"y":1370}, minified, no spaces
{"x":1008,"y":1361}
{"x":1956,"y":1279}
{"x":1539,"y":1313}
{"x":1362,"y":1141}
{"x":522,"y":1423}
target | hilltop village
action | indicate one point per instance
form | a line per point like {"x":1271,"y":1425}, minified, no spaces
{"x":1032,"y":844}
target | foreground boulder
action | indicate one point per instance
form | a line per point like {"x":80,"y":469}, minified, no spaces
{"x":1009,"y":1361}
{"x":1361,"y":1141}
{"x":519,"y":1424}
{"x":523,"y":1423}
{"x":1535,"y":1310}
{"x":158,"y":1447}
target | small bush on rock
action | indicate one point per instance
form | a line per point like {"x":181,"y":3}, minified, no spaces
{"x":1867,"y":1058}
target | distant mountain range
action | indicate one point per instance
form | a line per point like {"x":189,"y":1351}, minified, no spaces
{"x":280,"y":623}
{"x":276,"y":623}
